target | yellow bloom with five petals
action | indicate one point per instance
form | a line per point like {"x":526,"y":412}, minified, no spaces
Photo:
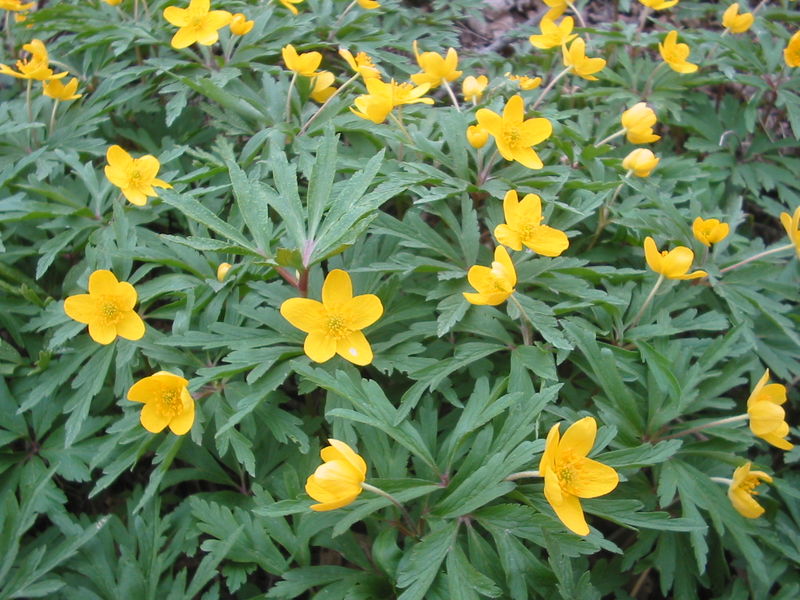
{"x":791,"y":54}
{"x":494,"y":284}
{"x":135,"y":177}
{"x":305,"y":64}
{"x":675,"y":54}
{"x":579,"y":64}
{"x":336,"y":482}
{"x":791,"y":223}
{"x":514,"y":135}
{"x":553,"y":35}
{"x":107,"y":309}
{"x":361,"y":64}
{"x":638,"y":123}
{"x":435,"y":67}
{"x":167,"y":402}
{"x":196,"y":23}
{"x":61,"y":92}
{"x":569,"y":475}
{"x":240,"y":25}
{"x":734,"y":22}
{"x":742,"y":489}
{"x":674,"y":264}
{"x":523,"y":226}
{"x":322,"y":86}
{"x":709,"y":231}
{"x":382,"y":97}
{"x":36,"y":67}
{"x":767,"y":417}
{"x":525,"y":83}
{"x":473,"y":87}
{"x":334,"y":325}
{"x":641,"y":162}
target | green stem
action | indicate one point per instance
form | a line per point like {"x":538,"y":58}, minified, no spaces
{"x":53,"y":116}
{"x":338,"y":22}
{"x":646,"y":303}
{"x":549,"y":87}
{"x":648,"y":85}
{"x":376,"y":490}
{"x":716,"y":423}
{"x":756,"y":257}
{"x":402,"y":127}
{"x":607,"y":139}
{"x":452,"y":95}
{"x":527,"y":336}
{"x":522,"y":474}
{"x":722,"y":480}
{"x":483,"y":175}
{"x":289,"y":97}
{"x":328,"y":101}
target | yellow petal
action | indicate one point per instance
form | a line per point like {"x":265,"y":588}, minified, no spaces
{"x":355,"y":348}
{"x":130,"y":326}
{"x":579,"y":437}
{"x":571,"y":514}
{"x":745,"y":504}
{"x":652,"y":254}
{"x":152,"y":419}
{"x":550,"y":450}
{"x":145,"y":390}
{"x":319,"y":347}
{"x":102,"y":282}
{"x":337,"y":289}
{"x":508,"y":237}
{"x":341,"y":451}
{"x":183,"y":38}
{"x":183,"y":422}
{"x":119,"y":158}
{"x":102,"y":333}
{"x":548,"y":241}
{"x":514,"y":111}
{"x":592,"y":478}
{"x":765,"y":417}
{"x":80,"y":307}
{"x":362,"y":311}
{"x":305,"y":314}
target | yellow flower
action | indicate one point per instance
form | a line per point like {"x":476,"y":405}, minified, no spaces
{"x":569,"y":475}
{"x":240,"y":25}
{"x":113,"y":2}
{"x":791,"y":54}
{"x":305,"y":64}
{"x":323,"y":86}
{"x":196,"y":23}
{"x":166,"y":400}
{"x":638,"y":122}
{"x":334,"y":325}
{"x":742,"y":490}
{"x":57,"y":90}
{"x":659,"y":4}
{"x":514,"y":135}
{"x":290,"y":5}
{"x":222,"y":271}
{"x":473,"y":87}
{"x":767,"y":417}
{"x":361,"y":64}
{"x":336,"y":482}
{"x":792,"y":226}
{"x":524,"y":226}
{"x":641,"y":161}
{"x":675,"y":54}
{"x":17,"y":5}
{"x":674,"y":264}
{"x":557,"y":8}
{"x":368,"y":4}
{"x":477,"y":136}
{"x":575,"y":58}
{"x":107,"y":309}
{"x":436,"y":68}
{"x":383,"y":97}
{"x":36,"y":67}
{"x":494,"y":284}
{"x":735,"y":22}
{"x":135,"y":177}
{"x":709,"y":231}
{"x":525,"y":83}
{"x":553,"y":35}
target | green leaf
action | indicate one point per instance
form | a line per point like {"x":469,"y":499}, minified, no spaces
{"x":420,"y":566}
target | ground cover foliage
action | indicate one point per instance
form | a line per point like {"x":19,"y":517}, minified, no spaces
{"x":458,"y":397}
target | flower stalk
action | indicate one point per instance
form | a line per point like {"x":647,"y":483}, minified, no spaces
{"x":549,"y":87}
{"x":716,"y":423}
{"x":646,"y":303}
{"x":451,"y":94}
{"x":523,"y":474}
{"x":756,"y":257}
{"x":412,"y":528}
{"x":527,"y":334}
{"x":311,"y":119}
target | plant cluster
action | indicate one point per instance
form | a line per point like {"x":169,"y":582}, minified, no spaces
{"x":522,"y":304}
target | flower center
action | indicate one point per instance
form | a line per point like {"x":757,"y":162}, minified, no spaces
{"x":170,"y":404}
{"x":110,"y":310}
{"x":528,"y":232}
{"x":511,"y":136}
{"x":336,"y":327}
